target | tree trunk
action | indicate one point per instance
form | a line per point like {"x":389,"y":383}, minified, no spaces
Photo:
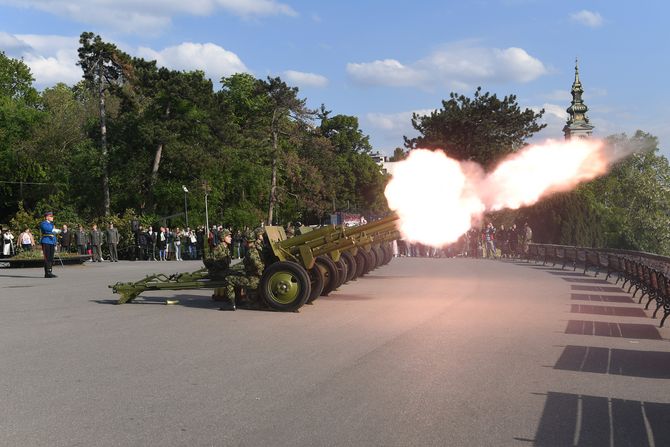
{"x":273,"y":184}
{"x":103,"y":142}
{"x":157,"y":162}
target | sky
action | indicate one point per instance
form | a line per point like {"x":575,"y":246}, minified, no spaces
{"x":380,"y":60}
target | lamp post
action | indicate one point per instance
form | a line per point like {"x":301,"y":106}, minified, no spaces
{"x":185,"y":203}
{"x":205,"y":187}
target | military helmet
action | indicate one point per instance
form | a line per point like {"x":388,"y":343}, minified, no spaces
{"x":225,"y":233}
{"x":259,"y":232}
{"x":250,"y":235}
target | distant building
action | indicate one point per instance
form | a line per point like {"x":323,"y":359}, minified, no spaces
{"x":578,"y":124}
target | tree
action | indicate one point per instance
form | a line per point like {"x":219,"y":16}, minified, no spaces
{"x":344,"y":133}
{"x":284,"y":110}
{"x":398,"y":154}
{"x":19,"y":117}
{"x":482,"y":129}
{"x":105,"y":68}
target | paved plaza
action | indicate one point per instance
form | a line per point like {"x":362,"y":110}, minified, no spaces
{"x":421,"y":352}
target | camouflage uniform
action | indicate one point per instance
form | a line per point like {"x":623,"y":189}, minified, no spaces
{"x":250,"y":277}
{"x":218,"y":265}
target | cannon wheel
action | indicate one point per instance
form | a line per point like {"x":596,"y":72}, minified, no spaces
{"x":342,"y":272}
{"x":316,"y":281}
{"x":330,"y":276}
{"x":370,"y":261}
{"x":379,"y":253}
{"x":388,"y":253}
{"x":361,"y":261}
{"x":285,"y":286}
{"x":351,"y":265}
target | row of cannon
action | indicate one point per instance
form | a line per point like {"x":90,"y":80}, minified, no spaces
{"x":298,"y":269}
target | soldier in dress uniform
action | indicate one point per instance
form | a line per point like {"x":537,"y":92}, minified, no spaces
{"x":96,"y":244}
{"x":112,"y":236}
{"x":48,"y":241}
{"x":252,"y":272}
{"x":80,"y":240}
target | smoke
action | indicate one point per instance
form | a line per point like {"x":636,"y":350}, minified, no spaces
{"x":438,"y":198}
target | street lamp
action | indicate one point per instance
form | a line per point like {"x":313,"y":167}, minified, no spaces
{"x":185,"y":204}
{"x":206,"y":188}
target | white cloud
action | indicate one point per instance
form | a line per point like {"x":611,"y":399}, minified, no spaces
{"x":457,"y":65}
{"x":149,"y":16}
{"x":384,"y":72}
{"x":303,"y":79}
{"x":587,"y":18}
{"x":214,"y":60}
{"x":51,"y":59}
{"x":395,"y":124}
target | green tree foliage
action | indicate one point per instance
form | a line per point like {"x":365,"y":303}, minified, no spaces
{"x":482,"y":129}
{"x":164,"y":129}
{"x":20,"y":115}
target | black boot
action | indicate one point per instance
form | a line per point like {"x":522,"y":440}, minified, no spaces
{"x":50,"y":275}
{"x":227,"y":305}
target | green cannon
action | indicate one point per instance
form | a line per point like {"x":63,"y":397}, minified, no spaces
{"x":298,"y":269}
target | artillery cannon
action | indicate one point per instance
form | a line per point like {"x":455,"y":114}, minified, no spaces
{"x":298,"y":269}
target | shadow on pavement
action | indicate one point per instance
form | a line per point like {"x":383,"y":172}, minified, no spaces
{"x":621,"y":362}
{"x":607,"y":310}
{"x":597,"y":288}
{"x":604,"y":298}
{"x":579,"y":420}
{"x":607,"y":329}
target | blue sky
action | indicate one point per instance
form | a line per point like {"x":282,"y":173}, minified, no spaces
{"x":382,"y":60}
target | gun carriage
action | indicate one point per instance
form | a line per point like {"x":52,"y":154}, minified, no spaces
{"x":298,"y":269}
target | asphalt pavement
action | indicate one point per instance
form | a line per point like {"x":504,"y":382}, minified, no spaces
{"x":421,"y":352}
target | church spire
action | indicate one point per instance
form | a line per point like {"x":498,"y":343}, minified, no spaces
{"x":578,"y":123}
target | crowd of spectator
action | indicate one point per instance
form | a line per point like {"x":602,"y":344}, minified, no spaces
{"x":161,"y":243}
{"x":485,"y":242}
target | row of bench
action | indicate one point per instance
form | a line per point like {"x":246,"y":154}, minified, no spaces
{"x":646,"y":273}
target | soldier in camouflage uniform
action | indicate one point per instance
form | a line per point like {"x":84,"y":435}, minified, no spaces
{"x":250,"y":277}
{"x":218,"y":263}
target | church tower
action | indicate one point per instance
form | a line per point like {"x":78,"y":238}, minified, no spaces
{"x":578,"y":124}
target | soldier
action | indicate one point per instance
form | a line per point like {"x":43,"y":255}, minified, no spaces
{"x":218,"y":264}
{"x":80,"y":240}
{"x":48,"y":241}
{"x":112,"y":236}
{"x":250,"y":277}
{"x":96,"y":244}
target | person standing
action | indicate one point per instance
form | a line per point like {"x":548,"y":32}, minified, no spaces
{"x":151,"y":242}
{"x":26,"y":239}
{"x":112,"y":237}
{"x":527,"y":237}
{"x":80,"y":240}
{"x":178,"y":235}
{"x":161,"y":244}
{"x":96,"y":244}
{"x":513,"y":237}
{"x":7,"y":243}
{"x":65,"y":240}
{"x":48,"y":241}
{"x":142,"y":244}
